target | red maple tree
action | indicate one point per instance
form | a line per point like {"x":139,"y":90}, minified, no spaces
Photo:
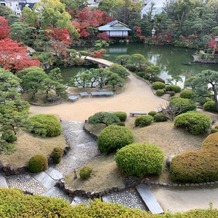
{"x":14,"y":56}
{"x":4,"y":28}
{"x":88,"y":19}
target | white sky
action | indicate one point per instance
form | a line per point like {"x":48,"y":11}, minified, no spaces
{"x":158,"y":3}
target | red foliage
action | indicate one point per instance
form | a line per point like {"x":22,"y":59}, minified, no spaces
{"x":59,"y":34}
{"x":88,"y":17}
{"x":139,"y":33}
{"x":103,"y":36}
{"x":15,"y":57}
{"x":4,"y":28}
{"x":97,"y":54}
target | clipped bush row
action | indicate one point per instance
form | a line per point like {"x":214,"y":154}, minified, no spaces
{"x":210,"y":106}
{"x":140,"y":160}
{"x":40,"y":206}
{"x":114,"y":137}
{"x":44,"y":125}
{"x":186,"y":93}
{"x":194,"y":122}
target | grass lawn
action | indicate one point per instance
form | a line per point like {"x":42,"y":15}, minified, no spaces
{"x":27,"y":146}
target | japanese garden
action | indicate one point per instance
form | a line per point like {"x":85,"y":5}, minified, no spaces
{"x":109,"y":108}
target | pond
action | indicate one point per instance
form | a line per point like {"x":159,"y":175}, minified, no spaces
{"x":173,"y":61}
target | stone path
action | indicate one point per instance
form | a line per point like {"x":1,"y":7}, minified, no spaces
{"x":83,"y":148}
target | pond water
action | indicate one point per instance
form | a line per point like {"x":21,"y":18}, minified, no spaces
{"x":173,"y":61}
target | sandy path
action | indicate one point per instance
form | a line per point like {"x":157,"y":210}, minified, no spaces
{"x":137,"y":96}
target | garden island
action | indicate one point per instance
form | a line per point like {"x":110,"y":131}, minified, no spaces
{"x":124,"y":134}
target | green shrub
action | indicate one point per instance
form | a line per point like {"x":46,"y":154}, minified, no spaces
{"x":210,"y":106}
{"x":211,"y":141}
{"x":144,"y":120}
{"x":152,"y":113}
{"x":44,"y":125}
{"x":160,"y":92}
{"x":85,"y":172}
{"x":5,"y":147}
{"x":195,"y":166}
{"x":160,"y":117}
{"x":9,"y":136}
{"x":182,"y":105}
{"x":121,"y":115}
{"x":114,"y":137}
{"x":140,"y":159}
{"x":157,"y":85}
{"x":103,"y":117}
{"x":194,"y":122}
{"x":156,"y":79}
{"x":119,"y":70}
{"x":173,"y":88}
{"x":37,"y":163}
{"x":187,"y":93}
{"x":57,"y":154}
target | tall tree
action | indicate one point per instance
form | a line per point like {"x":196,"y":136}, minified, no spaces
{"x":13,"y":111}
{"x":4,"y":28}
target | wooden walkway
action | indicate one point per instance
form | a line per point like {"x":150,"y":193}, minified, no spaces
{"x":98,"y":60}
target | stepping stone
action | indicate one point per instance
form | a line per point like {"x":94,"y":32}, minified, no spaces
{"x":78,"y":200}
{"x":149,"y":199}
{"x":106,"y":198}
{"x":45,"y":180}
{"x":54,"y":174}
{"x":3,"y":182}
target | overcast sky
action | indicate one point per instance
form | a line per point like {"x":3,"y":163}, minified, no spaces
{"x":158,"y":3}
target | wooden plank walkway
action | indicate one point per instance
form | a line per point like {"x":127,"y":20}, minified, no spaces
{"x":149,"y":199}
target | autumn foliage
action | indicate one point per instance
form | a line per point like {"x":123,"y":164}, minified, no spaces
{"x":4,"y":28}
{"x":88,"y":19}
{"x":14,"y":56}
{"x":97,"y":54}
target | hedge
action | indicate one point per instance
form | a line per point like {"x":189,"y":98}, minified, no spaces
{"x":173,"y":88}
{"x":194,"y":122}
{"x":57,"y":154}
{"x":121,"y":115}
{"x":37,"y":163}
{"x":157,"y":85}
{"x":144,"y":120}
{"x":140,"y":160}
{"x":160,"y":117}
{"x":16,"y":204}
{"x":103,"y":117}
{"x":211,"y":141}
{"x":210,"y":106}
{"x":195,"y":166}
{"x":186,"y":93}
{"x":182,"y":105}
{"x":160,"y":92}
{"x":44,"y":125}
{"x":114,"y":137}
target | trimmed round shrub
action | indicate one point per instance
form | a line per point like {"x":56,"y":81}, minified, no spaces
{"x":37,"y":163}
{"x":194,"y":122}
{"x":104,"y":117}
{"x":187,"y":93}
{"x":157,"y":85}
{"x":182,"y":105}
{"x":160,"y":92}
{"x":156,"y":79}
{"x":144,"y":120}
{"x":85,"y":172}
{"x":210,"y":106}
{"x":211,"y":141}
{"x":57,"y":154}
{"x":121,"y":115}
{"x":9,"y":136}
{"x":160,"y":117}
{"x":44,"y":125}
{"x":140,"y":160}
{"x":195,"y":166}
{"x":152,"y":113}
{"x":173,"y":88}
{"x":114,"y":137}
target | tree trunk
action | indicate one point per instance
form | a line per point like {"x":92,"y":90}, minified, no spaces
{"x":215,"y":96}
